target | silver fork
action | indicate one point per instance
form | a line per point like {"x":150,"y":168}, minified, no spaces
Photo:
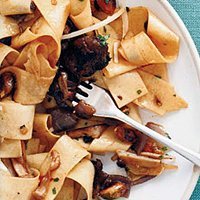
{"x":105,"y":107}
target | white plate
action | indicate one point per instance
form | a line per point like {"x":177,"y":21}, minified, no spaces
{"x":184,"y":125}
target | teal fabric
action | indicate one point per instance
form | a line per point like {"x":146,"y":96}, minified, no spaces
{"x":189,"y":11}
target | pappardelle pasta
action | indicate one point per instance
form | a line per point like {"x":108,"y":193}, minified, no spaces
{"x":49,"y":148}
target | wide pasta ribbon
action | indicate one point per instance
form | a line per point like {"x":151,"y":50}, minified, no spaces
{"x":10,"y":148}
{"x":15,"y":7}
{"x":31,"y":93}
{"x":16,"y":121}
{"x":55,"y":14}
{"x":8,"y":55}
{"x":9,"y":27}
{"x":70,"y":154}
{"x":80,"y":13}
{"x":148,"y":40}
{"x":42,"y":32}
{"x":17,"y":188}
{"x":40,"y":126}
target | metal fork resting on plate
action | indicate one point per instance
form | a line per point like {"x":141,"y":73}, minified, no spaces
{"x":105,"y":107}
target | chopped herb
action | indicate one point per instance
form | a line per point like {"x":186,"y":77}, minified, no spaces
{"x":54,"y":190}
{"x":164,"y":148}
{"x":174,"y":95}
{"x":139,"y":91}
{"x":158,"y":76}
{"x":127,"y":9}
{"x":56,"y":179}
{"x":107,"y":1}
{"x":167,"y":134}
{"x":161,"y":157}
{"x":103,"y":39}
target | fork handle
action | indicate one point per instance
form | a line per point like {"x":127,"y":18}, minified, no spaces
{"x":187,"y":153}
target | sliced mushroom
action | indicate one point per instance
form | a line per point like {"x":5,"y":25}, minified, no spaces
{"x":84,"y":110}
{"x":52,"y":163}
{"x":109,"y":186}
{"x":93,"y":131}
{"x":153,"y":146}
{"x":115,"y":191}
{"x":7,"y":162}
{"x":125,"y":134}
{"x":157,"y":156}
{"x":140,"y":165}
{"x":18,"y":166}
{"x":42,"y":189}
{"x":156,"y":127}
{"x":62,"y":120}
{"x":7,"y":84}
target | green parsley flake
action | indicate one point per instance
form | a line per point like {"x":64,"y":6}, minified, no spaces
{"x":164,"y":148}
{"x":161,"y":157}
{"x":54,"y":190}
{"x":56,"y":179}
{"x":107,"y":1}
{"x":103,"y":39}
{"x":139,"y":91}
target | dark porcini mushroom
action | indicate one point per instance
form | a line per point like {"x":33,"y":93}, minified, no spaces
{"x":84,"y":110}
{"x":125,"y":134}
{"x":92,"y":131}
{"x":63,"y":120}
{"x":109,"y":186}
{"x":106,"y":6}
{"x":7,"y":84}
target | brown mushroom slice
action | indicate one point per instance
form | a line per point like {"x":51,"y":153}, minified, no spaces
{"x":21,"y":166}
{"x":157,"y":156}
{"x":157,"y":127}
{"x":8,"y":164}
{"x":140,"y":165}
{"x":152,"y":145}
{"x":93,"y":131}
{"x":84,"y":110}
{"x":113,"y":192}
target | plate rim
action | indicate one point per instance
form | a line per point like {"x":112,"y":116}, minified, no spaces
{"x":196,"y":59}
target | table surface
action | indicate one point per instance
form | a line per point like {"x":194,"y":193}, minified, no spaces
{"x":189,"y":11}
